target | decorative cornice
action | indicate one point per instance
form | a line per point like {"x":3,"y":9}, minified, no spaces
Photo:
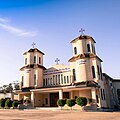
{"x":85,"y":55}
{"x":33,"y":50}
{"x":82,"y":37}
{"x":32,"y":66}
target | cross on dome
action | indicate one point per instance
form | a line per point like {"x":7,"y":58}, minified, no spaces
{"x":33,"y":45}
{"x":82,"y":31}
{"x":57,"y":60}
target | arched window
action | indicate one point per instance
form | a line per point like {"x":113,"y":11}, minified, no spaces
{"x":88,"y":47}
{"x":34,"y":59}
{"x":74,"y":75}
{"x":35,"y":82}
{"x":75,"y":50}
{"x":101,"y":73}
{"x":25,"y":61}
{"x":39,"y":60}
{"x":98,"y":71}
{"x":22,"y":80}
{"x":93,"y":71}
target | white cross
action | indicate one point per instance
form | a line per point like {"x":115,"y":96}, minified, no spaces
{"x":82,"y":31}
{"x":33,"y":44}
{"x":57,"y":60}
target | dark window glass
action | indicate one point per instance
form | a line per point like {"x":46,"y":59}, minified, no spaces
{"x":101,"y":73}
{"x":118,"y":94}
{"x":98,"y":71}
{"x":74,"y":75}
{"x":34,"y":59}
{"x":53,"y":80}
{"x":34,"y":79}
{"x":93,"y":71}
{"x":101,"y":94}
{"x":25,"y":61}
{"x":75,"y":50}
{"x":64,"y":79}
{"x":46,"y":81}
{"x":22,"y":80}
{"x":104,"y":94}
{"x":88,"y":47}
{"x":56,"y":80}
{"x":67,"y":79}
{"x":97,"y":99}
{"x":39,"y":60}
{"x":46,"y":100}
{"x":43,"y":82}
{"x":61,"y":78}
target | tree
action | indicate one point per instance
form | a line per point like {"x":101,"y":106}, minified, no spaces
{"x":7,"y":88}
{"x":15,"y":104}
{"x":2,"y":103}
{"x":70,"y":102}
{"x":82,"y":101}
{"x":8,"y":103}
{"x":61,"y":102}
{"x":16,"y":86}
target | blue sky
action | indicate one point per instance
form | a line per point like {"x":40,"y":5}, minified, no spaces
{"x":52,"y":24}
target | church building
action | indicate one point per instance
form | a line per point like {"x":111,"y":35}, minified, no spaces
{"x":82,"y":78}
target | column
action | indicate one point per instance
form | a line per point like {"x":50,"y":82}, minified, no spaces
{"x":61,"y":94}
{"x":93,"y":93}
{"x":94,"y":101}
{"x":19,"y":96}
{"x":71,"y":95}
{"x":32,"y":98}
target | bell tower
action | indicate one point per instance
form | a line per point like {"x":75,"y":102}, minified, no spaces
{"x":86,"y":65}
{"x":32,"y":70}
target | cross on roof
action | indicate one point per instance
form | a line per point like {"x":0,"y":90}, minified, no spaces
{"x":82,"y":31}
{"x":33,"y":45}
{"x":57,"y":60}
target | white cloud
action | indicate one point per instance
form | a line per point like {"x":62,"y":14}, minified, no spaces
{"x":4,"y":24}
{"x":4,"y":20}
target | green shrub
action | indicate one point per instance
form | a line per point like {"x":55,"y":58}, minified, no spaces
{"x":2,"y":103}
{"x":61,"y":102}
{"x":70,"y":102}
{"x":15,"y":104}
{"x":8,"y":103}
{"x":82,"y":101}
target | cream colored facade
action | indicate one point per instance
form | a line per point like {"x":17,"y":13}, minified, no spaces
{"x":82,"y":78}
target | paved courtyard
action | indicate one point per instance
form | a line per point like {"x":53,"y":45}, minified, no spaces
{"x":56,"y":115}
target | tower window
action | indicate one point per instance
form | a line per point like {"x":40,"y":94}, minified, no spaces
{"x":98,"y":71}
{"x":101,"y":73}
{"x":88,"y":47}
{"x":93,"y":71}
{"x":74,"y":75}
{"x":34,"y":79}
{"x":25,"y":61}
{"x":75,"y":50}
{"x":22,"y":80}
{"x":39,"y":60}
{"x":34,"y":59}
